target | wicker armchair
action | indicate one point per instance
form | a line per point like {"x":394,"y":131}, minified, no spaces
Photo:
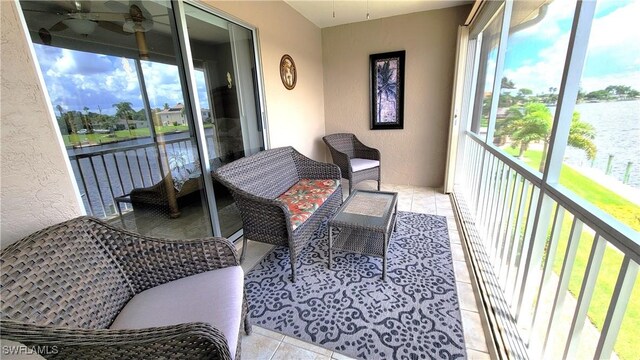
{"x":357,"y":161}
{"x":64,"y":287}
{"x":258,"y":180}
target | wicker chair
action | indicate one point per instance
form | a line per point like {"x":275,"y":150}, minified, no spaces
{"x":64,"y":287}
{"x":256,"y":182}
{"x":155,"y":198}
{"x":357,"y":161}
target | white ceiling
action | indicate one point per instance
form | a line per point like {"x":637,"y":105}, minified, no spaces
{"x":320,"y":12}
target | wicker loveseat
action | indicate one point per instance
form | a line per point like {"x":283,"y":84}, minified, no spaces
{"x":357,"y":161}
{"x":282,"y":196}
{"x":83,"y":289}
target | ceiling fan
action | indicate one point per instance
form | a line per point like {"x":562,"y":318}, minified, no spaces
{"x":124,"y":19}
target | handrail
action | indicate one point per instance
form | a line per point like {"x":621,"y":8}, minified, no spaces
{"x":513,"y":163}
{"x":125,"y":148}
{"x":621,"y":235}
{"x":612,"y":229}
{"x":520,"y":254}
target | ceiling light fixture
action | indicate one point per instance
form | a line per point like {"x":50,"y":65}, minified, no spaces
{"x":368,"y":17}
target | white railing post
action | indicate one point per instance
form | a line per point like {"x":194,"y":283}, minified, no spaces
{"x":498,"y":225}
{"x":586,"y":293}
{"x":534,"y":253}
{"x":515,"y":237}
{"x":548,"y":266}
{"x":508,"y":231}
{"x":617,"y":307}
{"x":569,"y":87}
{"x":563,"y":283}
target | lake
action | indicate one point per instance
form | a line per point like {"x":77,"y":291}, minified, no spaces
{"x":617,"y":126}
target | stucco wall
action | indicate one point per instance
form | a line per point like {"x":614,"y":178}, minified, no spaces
{"x":296,"y":117}
{"x":36,"y":187}
{"x":415,"y":155}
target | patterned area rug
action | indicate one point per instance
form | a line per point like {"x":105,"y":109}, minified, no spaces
{"x":414,"y":314}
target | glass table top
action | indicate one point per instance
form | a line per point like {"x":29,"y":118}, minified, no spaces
{"x":366,"y":209}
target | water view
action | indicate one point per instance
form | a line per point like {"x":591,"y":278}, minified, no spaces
{"x":617,"y":128}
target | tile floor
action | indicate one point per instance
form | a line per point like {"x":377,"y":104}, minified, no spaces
{"x":266,"y":344}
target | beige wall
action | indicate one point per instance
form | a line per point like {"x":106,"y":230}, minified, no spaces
{"x":296,"y":117}
{"x":415,"y":155}
{"x":36,"y":188}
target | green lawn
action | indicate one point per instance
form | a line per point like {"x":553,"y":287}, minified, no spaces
{"x":120,"y":135}
{"x":628,"y":213}
{"x":613,"y":203}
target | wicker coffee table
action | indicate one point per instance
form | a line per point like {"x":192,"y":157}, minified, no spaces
{"x":365,"y":221}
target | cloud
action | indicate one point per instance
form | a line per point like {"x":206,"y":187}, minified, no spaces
{"x":540,"y":75}
{"x":613,"y":56}
{"x":163,"y":84}
{"x":76,"y":79}
{"x":69,"y":61}
{"x":202,"y":89}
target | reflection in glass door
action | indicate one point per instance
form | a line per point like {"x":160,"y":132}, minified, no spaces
{"x":223,"y":59}
{"x":112,"y":72}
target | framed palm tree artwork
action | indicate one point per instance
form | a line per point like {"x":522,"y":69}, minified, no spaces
{"x":387,"y":90}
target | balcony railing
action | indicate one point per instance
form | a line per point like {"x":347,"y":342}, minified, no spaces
{"x":103,"y":175}
{"x":524,"y":236}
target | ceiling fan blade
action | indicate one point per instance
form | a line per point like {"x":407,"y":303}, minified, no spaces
{"x":59,"y":26}
{"x":97,"y":16}
{"x":118,"y":7}
{"x":113,"y":27}
{"x":45,"y":36}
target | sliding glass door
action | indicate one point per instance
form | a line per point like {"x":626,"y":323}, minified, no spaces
{"x":142,"y":137}
{"x":223,"y":60}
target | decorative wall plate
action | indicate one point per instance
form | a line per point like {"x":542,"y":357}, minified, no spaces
{"x":288,"y":73}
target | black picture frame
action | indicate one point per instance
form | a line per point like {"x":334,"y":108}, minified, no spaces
{"x":386,"y":79}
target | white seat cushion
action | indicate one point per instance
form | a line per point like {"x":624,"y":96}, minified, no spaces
{"x":358,"y":164}
{"x":213,"y":297}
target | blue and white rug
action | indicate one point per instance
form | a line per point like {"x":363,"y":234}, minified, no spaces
{"x":414,"y":314}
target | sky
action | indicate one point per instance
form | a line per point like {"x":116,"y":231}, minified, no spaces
{"x":536,"y":55}
{"x":535,"y":60}
{"x":77,"y":79}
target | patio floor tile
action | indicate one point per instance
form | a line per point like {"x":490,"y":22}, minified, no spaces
{"x":288,"y":351}
{"x":266,"y":344}
{"x":258,"y":347}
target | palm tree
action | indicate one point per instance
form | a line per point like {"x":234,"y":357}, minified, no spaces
{"x":507,"y":84}
{"x":533,"y":122}
{"x":68,"y":120}
{"x":124,"y":111}
{"x":386,"y":85}
{"x":525,"y":125}
{"x":85,"y":120}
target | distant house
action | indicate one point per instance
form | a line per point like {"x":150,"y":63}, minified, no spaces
{"x":172,"y":115}
{"x":134,"y":124}
{"x":176,"y":115}
{"x":206,"y":115}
